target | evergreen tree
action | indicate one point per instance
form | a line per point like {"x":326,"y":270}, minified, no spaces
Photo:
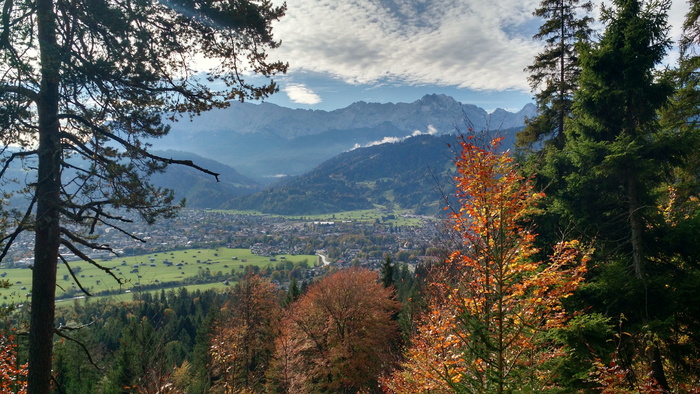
{"x":293,"y":293}
{"x":611,"y":143}
{"x":556,"y":69}
{"x":681,"y":115}
{"x":83,"y":84}
{"x":387,"y":272}
{"x":617,"y":173}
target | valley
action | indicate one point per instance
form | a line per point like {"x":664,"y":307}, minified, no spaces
{"x":218,"y":247}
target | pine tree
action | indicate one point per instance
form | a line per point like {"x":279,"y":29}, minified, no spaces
{"x":387,"y":271}
{"x":611,"y":143}
{"x":554,"y":74}
{"x":293,"y":293}
{"x":83,"y":85}
{"x":615,"y":167}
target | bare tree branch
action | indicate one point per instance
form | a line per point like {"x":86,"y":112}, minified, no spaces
{"x":21,"y":90}
{"x":83,"y":242}
{"x":18,"y":230}
{"x":12,"y":157}
{"x":140,"y":150}
{"x":85,"y":257}
{"x":59,"y":332}
{"x":121,"y":230}
{"x":70,"y":271}
{"x":86,"y":151}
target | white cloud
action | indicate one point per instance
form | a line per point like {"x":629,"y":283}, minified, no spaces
{"x":301,"y":94}
{"x":392,"y":140}
{"x":385,"y":140}
{"x":431,"y":131}
{"x":466,"y":43}
{"x":473,"y":44}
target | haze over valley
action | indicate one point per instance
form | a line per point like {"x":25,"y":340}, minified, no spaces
{"x":266,"y":141}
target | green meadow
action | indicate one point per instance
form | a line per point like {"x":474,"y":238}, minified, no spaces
{"x":145,"y":270}
{"x":395,"y":217}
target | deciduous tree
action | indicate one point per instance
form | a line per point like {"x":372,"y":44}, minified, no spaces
{"x":492,"y":300}
{"x":83,"y":84}
{"x":13,"y":377}
{"x":243,"y":341}
{"x":338,"y":337}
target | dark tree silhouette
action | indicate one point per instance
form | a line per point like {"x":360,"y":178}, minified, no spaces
{"x":555,"y":71}
{"x":83,"y":84}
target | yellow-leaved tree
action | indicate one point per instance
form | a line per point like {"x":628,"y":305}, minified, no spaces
{"x":492,"y":301}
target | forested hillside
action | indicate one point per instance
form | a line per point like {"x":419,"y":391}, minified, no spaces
{"x":203,"y":190}
{"x":414,"y":174}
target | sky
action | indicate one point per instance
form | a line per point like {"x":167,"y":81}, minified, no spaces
{"x":343,"y":51}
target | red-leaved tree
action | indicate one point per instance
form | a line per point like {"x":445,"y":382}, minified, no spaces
{"x":338,"y":337}
{"x":13,"y":377}
{"x":243,"y":341}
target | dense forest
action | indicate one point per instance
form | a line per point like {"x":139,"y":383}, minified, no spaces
{"x":575,"y":266}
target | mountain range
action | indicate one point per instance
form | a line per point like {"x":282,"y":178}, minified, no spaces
{"x":266,"y":142}
{"x":361,"y":156}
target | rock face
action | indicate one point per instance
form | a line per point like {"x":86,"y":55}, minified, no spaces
{"x":264,"y":141}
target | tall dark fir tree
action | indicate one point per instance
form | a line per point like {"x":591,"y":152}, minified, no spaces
{"x":83,"y":85}
{"x":612,"y":142}
{"x":555,"y":71}
{"x":617,"y":165}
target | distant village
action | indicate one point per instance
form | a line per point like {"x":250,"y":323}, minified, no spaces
{"x":341,"y":243}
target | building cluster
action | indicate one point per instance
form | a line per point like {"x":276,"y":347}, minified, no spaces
{"x":345,"y":243}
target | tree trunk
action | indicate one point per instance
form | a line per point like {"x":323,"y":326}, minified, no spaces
{"x":636,"y":226}
{"x":47,"y":229}
{"x":559,"y":138}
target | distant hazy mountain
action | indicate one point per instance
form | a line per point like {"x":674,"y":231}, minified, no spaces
{"x":412,"y":173}
{"x":199,"y":189}
{"x":265,"y":141}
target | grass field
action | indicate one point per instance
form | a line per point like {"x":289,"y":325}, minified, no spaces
{"x":365,"y":215}
{"x":146,"y":269}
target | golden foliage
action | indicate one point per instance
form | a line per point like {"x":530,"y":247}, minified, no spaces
{"x":492,"y":300}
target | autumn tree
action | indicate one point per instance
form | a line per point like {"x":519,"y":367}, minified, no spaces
{"x":83,"y":85}
{"x":243,"y":341}
{"x":12,"y":375}
{"x":492,"y":300}
{"x":555,"y":71}
{"x":338,"y":337}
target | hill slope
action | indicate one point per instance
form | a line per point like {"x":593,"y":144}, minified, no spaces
{"x":199,"y":189}
{"x":410,"y":174}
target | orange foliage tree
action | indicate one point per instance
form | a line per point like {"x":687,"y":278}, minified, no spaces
{"x":13,"y":377}
{"x":243,"y":340}
{"x":492,"y":301}
{"x":338,"y":337}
